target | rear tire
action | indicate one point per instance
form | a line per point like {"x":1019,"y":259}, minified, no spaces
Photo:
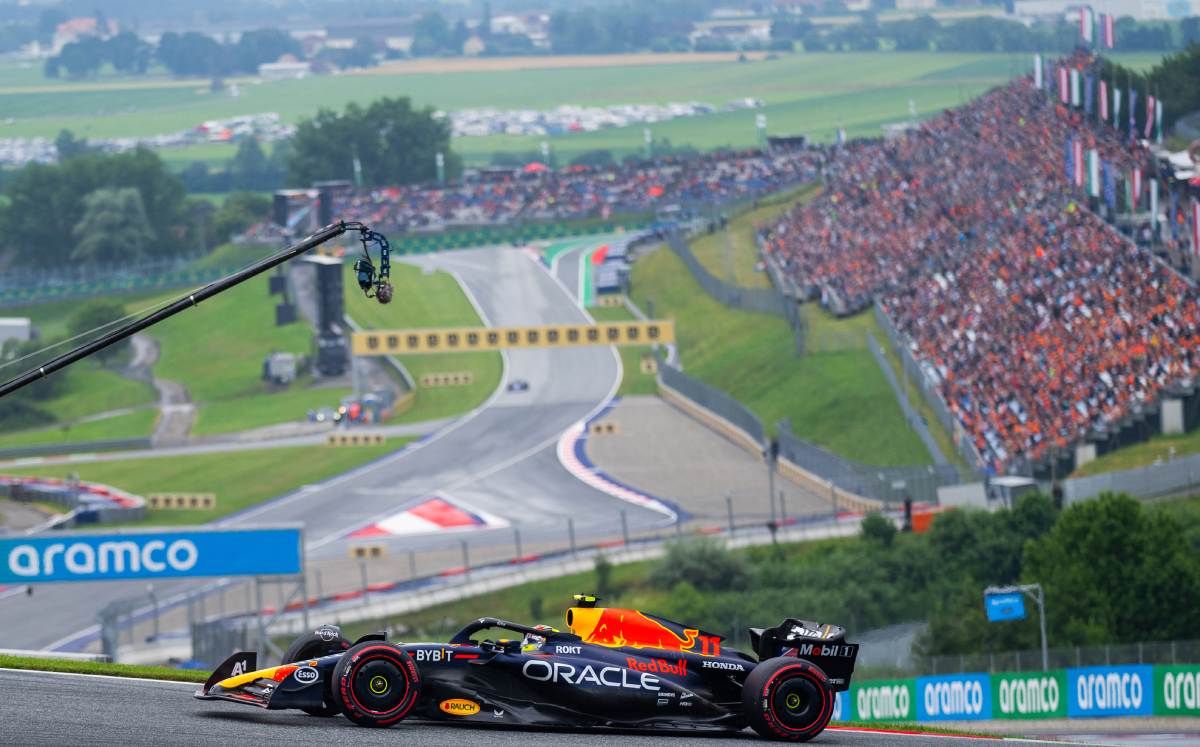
{"x":376,"y":684}
{"x":323,"y":641}
{"x":787,"y":699}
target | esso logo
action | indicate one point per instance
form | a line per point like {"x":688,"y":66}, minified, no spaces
{"x":306,"y":675}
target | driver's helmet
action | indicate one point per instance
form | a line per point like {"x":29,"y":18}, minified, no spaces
{"x":532,"y":641}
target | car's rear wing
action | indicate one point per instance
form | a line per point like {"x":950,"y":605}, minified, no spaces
{"x":823,"y":645}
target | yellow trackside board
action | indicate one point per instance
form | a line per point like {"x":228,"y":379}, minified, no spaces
{"x":467,"y":339}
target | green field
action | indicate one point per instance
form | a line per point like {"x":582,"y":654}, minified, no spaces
{"x":135,"y":424}
{"x":835,"y":394}
{"x":430,"y":300}
{"x":732,"y":255}
{"x":239,"y":479}
{"x":804,"y":93}
{"x":633,"y":381}
{"x":1157,"y":449}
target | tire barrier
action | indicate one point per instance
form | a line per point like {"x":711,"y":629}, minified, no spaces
{"x":610,"y":300}
{"x":469,"y":339}
{"x":339,"y":438}
{"x":185,"y":501}
{"x":455,"y":378}
{"x":88,"y":503}
{"x":1082,"y":692}
{"x":366,"y":552}
{"x":604,"y":428}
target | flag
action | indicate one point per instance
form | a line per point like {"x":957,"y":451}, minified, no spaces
{"x":1158,"y":107}
{"x":1103,"y":100}
{"x":1037,"y":71}
{"x":1110,"y":186}
{"x":1136,"y":189}
{"x":1150,"y":105}
{"x":1074,"y":87}
{"x":1132,"y":109}
{"x":1046,"y":76}
{"x":1087,"y":24}
{"x":1070,"y":167}
{"x":1063,"y":93}
{"x":1077,"y":161}
{"x":1195,"y":227}
{"x":1154,"y":205}
{"x":1087,"y":94}
{"x":1173,"y":212}
{"x":1093,"y":173}
{"x":1110,"y":38}
{"x":841,"y":136}
{"x":1116,"y":120}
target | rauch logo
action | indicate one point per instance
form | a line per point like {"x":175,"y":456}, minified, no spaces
{"x":81,"y":559}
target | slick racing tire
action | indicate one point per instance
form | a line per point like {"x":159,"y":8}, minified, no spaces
{"x":323,"y":641}
{"x":787,"y":699}
{"x":376,"y":684}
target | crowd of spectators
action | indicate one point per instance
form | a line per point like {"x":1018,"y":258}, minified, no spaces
{"x":581,"y":192}
{"x":1037,"y":319}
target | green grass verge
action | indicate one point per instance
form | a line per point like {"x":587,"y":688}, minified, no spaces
{"x":1143,"y":454}
{"x":135,"y":671}
{"x":136,"y":424}
{"x":239,"y":479}
{"x":430,"y":300}
{"x":216,"y":350}
{"x":733,"y":255}
{"x":633,"y":381}
{"x":835,"y":394}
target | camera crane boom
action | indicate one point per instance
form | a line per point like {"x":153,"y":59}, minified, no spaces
{"x":368,"y":281}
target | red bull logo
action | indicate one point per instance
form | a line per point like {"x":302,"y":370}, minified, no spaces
{"x":616,"y":627}
{"x":679,"y":668}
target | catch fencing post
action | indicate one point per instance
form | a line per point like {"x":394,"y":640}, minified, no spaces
{"x":262,"y":633}
{"x":412,"y":563}
{"x":729,"y":511}
{"x":154,"y":604}
{"x":571,"y":534}
{"x":517,"y":541}
{"x":362,"y":570}
{"x":466,"y":554}
{"x":304,"y":593}
{"x":624,"y":527}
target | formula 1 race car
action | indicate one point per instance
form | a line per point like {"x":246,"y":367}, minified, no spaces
{"x":615,"y":668}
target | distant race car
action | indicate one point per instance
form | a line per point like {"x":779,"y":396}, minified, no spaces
{"x":614,"y":668}
{"x":518,"y":385}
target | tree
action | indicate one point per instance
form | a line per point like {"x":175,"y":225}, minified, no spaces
{"x":192,"y":53}
{"x":394,"y":143}
{"x":257,"y":47}
{"x":113,"y":228}
{"x":89,"y":320}
{"x":1115,"y":572}
{"x":69,"y":146}
{"x":83,"y":57}
{"x":250,"y":166}
{"x":128,"y":53}
{"x":431,"y":35}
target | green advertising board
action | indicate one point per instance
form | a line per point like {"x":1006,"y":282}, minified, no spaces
{"x":1029,"y":694}
{"x":885,"y":700}
{"x":1177,"y":690}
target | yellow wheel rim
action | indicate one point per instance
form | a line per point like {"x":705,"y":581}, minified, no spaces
{"x":792,"y":701}
{"x":378,"y":685}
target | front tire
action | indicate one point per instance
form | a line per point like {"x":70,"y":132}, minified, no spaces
{"x":376,"y":684}
{"x":787,"y":699}
{"x":323,"y":641}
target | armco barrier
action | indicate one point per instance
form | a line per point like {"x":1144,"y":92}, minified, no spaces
{"x":1082,"y":692}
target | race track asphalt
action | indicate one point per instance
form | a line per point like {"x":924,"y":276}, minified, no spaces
{"x":500,"y":459}
{"x":55,"y":709}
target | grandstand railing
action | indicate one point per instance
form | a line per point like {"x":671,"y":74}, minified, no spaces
{"x":758,"y":300}
{"x":1165,"y":477}
{"x":962,"y":442}
{"x":714,"y":400}
{"x":1157,"y":652}
{"x":887,"y":484}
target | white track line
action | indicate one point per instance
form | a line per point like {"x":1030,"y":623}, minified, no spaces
{"x":191,"y":685}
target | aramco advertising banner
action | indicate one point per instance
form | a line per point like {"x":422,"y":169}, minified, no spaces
{"x":1085,"y":692}
{"x":71,"y":556}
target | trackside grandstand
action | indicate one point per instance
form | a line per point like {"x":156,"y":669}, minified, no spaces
{"x":981,"y":235}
